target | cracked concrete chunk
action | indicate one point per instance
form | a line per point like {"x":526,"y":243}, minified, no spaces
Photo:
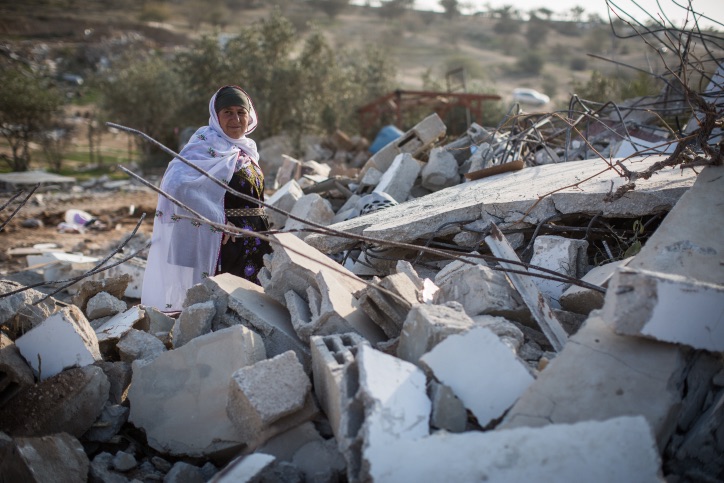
{"x":104,"y":304}
{"x":137,"y":344}
{"x":313,"y":208}
{"x":68,"y":402}
{"x":398,"y":180}
{"x":428,"y":325}
{"x":619,"y":449}
{"x":583,"y":300}
{"x":390,"y":406}
{"x":194,"y":321}
{"x":448,"y":412}
{"x":254,"y":403}
{"x":58,"y":458}
{"x":22,"y":311}
{"x":163,"y":393}
{"x":601,"y":375}
{"x":441,"y":170}
{"x":479,"y":350}
{"x":63,"y":340}
{"x":480,"y":289}
{"x":655,"y":305}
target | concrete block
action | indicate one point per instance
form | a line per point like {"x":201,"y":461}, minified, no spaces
{"x":390,"y":406}
{"x":601,"y":375}
{"x":480,"y":289}
{"x":619,"y":449}
{"x":295,"y":265}
{"x":254,"y":404}
{"x":414,"y":142}
{"x":284,"y":198}
{"x":448,"y":412}
{"x":291,"y":169}
{"x":119,"y":375}
{"x":15,"y":373}
{"x":330,"y":356}
{"x":193,"y":322}
{"x":486,"y":393}
{"x":441,"y":170}
{"x":399,"y":178}
{"x":17,"y":321}
{"x":313,"y":208}
{"x":63,"y":340}
{"x":137,"y":344}
{"x":104,"y":304}
{"x":428,"y":325}
{"x":115,"y":286}
{"x":370,"y":177}
{"x":159,"y":324}
{"x":175,"y":420}
{"x":665,"y":307}
{"x":261,"y":313}
{"x":108,"y":424}
{"x":58,"y":458}
{"x":583,"y":300}
{"x":69,"y":402}
{"x":566,"y":256}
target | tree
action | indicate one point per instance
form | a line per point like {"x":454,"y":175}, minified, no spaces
{"x":28,"y":106}
{"x":451,"y":7}
{"x":146,"y":94}
{"x":395,"y":8}
{"x":577,"y":13}
{"x":546,"y":12}
{"x":536,"y":32}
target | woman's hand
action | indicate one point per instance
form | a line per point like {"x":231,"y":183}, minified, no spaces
{"x":228,"y":236}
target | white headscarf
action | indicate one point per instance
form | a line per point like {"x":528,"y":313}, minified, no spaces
{"x":183,"y":253}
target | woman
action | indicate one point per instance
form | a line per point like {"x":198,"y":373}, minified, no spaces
{"x":184,"y":252}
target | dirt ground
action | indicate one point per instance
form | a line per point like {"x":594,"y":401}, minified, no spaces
{"x":118,"y":213}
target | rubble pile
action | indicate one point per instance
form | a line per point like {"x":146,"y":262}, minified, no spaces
{"x":444,"y":312}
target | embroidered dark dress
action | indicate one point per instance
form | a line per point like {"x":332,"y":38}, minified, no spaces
{"x":244,"y":257}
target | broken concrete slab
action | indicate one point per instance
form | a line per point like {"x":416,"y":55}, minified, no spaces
{"x":600,"y":375}
{"x":260,"y":410}
{"x":15,"y":373}
{"x":694,"y":252}
{"x":263,"y":314}
{"x":572,"y":187}
{"x":58,"y":457}
{"x":428,"y":325}
{"x":174,"y":419}
{"x":68,"y":402}
{"x":669,"y":308}
{"x":399,"y":178}
{"x":133,"y":268}
{"x":619,"y":449}
{"x":563,"y":255}
{"x":22,"y":311}
{"x":390,"y":406}
{"x":117,"y":326}
{"x":479,"y":350}
{"x":582,"y":300}
{"x":291,"y":169}
{"x":63,"y":340}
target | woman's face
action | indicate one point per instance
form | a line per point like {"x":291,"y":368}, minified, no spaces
{"x":234,"y":120}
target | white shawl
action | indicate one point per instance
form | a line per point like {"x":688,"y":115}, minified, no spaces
{"x":183,"y":252}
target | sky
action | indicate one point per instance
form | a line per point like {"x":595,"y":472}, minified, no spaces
{"x":710,"y":8}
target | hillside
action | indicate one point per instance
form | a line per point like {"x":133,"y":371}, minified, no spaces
{"x":419,"y":42}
